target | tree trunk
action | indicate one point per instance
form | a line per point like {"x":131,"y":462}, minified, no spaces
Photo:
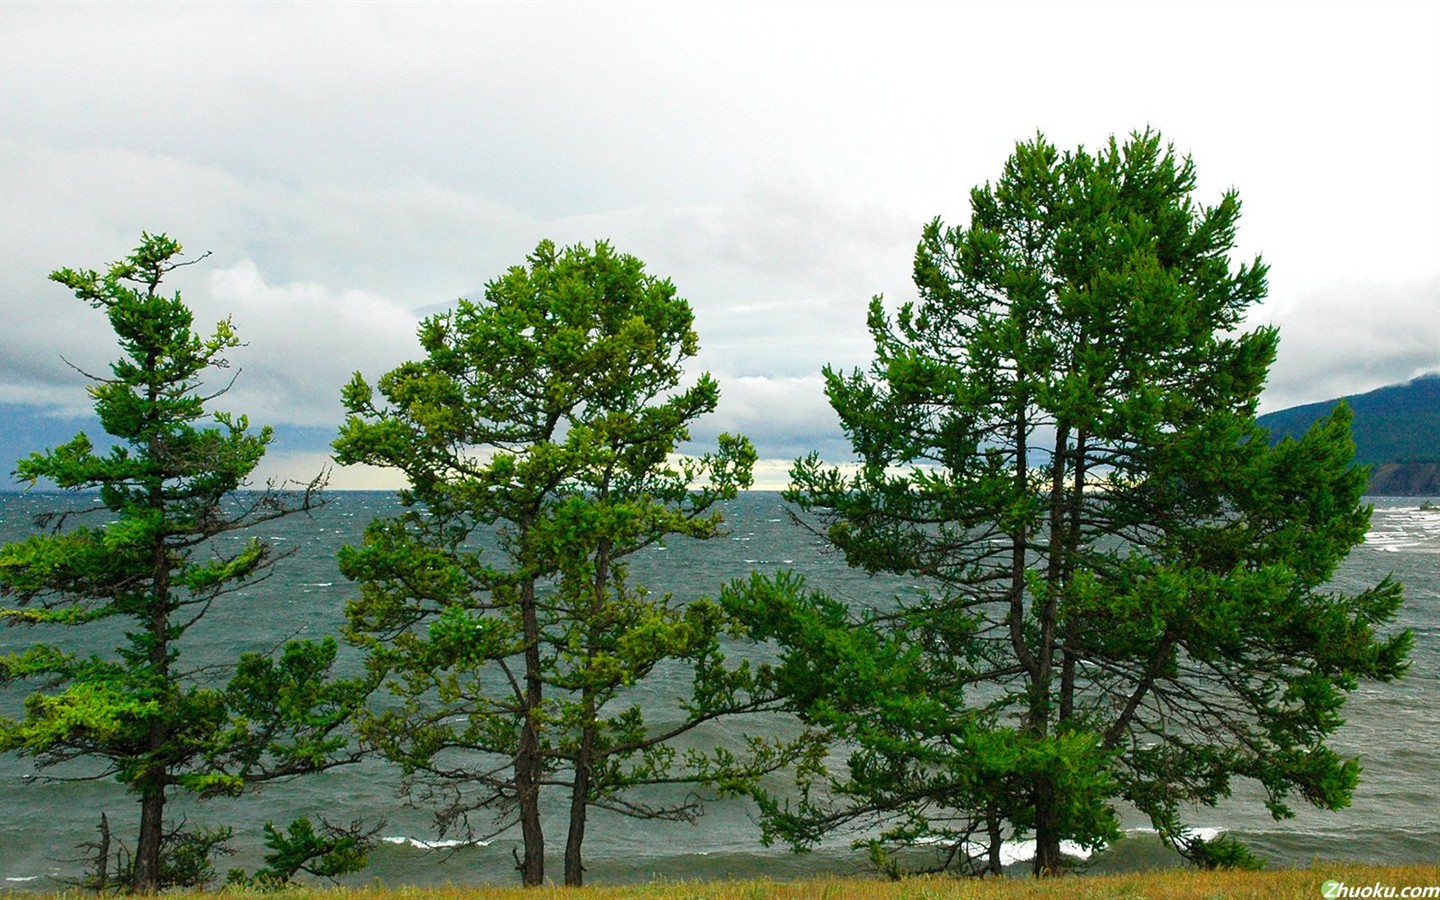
{"x":1055,"y":568}
{"x":1072,"y":544}
{"x":579,"y":805}
{"x":584,"y":757}
{"x":146,"y":876}
{"x":1047,"y":830}
{"x":1057,"y":574}
{"x":1016,"y":616}
{"x":1037,"y":666}
{"x":992,"y":821}
{"x":527,"y":756}
{"x":102,"y":857}
{"x":155,"y":780}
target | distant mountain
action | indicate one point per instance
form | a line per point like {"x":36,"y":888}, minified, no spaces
{"x":1396,"y":428}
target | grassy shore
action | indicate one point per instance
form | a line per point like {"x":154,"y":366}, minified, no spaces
{"x":1173,"y":883}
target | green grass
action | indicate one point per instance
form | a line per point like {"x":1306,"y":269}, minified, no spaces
{"x":1174,"y":883}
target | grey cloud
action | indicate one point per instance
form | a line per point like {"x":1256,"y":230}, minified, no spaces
{"x":86,"y":208}
{"x":369,"y":163}
{"x":784,"y":417}
{"x":1352,"y":338}
{"x":779,"y":276}
{"x":305,"y":341}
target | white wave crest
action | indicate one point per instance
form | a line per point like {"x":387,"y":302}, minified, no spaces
{"x":1405,"y":528}
{"x":1011,"y":852}
{"x":422,"y":844}
{"x":1204,"y":832}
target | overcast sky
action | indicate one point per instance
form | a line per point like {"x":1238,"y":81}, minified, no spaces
{"x":354,"y":167}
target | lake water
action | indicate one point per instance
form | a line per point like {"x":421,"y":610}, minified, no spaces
{"x":1394,"y":729}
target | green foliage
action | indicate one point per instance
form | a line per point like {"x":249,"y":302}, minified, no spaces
{"x":187,"y":857}
{"x":1223,"y":852}
{"x":1127,"y":586}
{"x":150,"y":573}
{"x":539,"y":437}
{"x":327,"y":853}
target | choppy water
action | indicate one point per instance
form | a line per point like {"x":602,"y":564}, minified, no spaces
{"x":1393,"y":729}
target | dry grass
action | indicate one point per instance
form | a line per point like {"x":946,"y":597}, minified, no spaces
{"x":1175,"y":883}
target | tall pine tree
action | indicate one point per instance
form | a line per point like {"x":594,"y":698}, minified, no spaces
{"x":145,"y":713}
{"x":1128,"y":587}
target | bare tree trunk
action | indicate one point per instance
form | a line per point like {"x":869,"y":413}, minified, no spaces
{"x":584,"y":757}
{"x":1018,"y":540}
{"x":146,"y":877}
{"x":1072,"y":543}
{"x":102,"y":857}
{"x":527,"y":756}
{"x":155,"y":780}
{"x":1037,"y":665}
{"x":1057,"y":572}
{"x":579,"y":804}
{"x":992,"y":822}
{"x":1047,"y":830}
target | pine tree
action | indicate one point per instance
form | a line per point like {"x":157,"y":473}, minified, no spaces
{"x":142,"y":713}
{"x":538,"y":437}
{"x":1128,"y":587}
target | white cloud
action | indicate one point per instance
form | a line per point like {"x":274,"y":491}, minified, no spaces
{"x":305,"y":341}
{"x":361,"y":163}
{"x":785,"y":417}
{"x":299,"y":467}
{"x":1351,"y":338}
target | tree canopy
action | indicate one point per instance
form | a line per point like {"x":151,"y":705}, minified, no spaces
{"x":1128,"y":594}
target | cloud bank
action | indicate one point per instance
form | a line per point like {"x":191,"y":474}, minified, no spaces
{"x":355,"y":167}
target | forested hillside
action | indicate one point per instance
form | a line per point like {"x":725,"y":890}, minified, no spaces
{"x":1397,"y":431}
